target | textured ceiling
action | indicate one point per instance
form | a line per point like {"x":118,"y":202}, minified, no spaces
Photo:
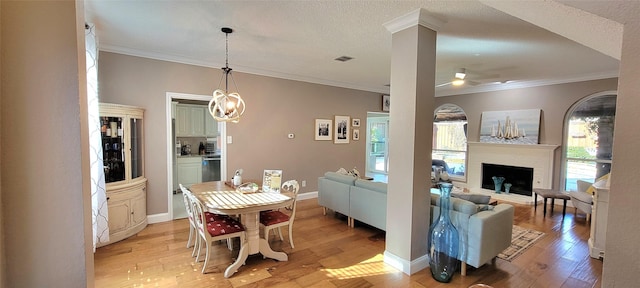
{"x":299,"y":40}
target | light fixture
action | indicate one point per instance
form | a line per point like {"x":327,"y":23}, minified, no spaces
{"x":459,"y":77}
{"x":225,"y":106}
{"x":461,"y":73}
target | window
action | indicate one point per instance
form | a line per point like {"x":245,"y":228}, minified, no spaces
{"x":588,"y":139}
{"x":377,"y":143}
{"x":450,"y":139}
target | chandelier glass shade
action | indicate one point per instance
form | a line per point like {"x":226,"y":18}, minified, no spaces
{"x":225,"y":106}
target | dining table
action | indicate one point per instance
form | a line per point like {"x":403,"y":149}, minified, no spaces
{"x":223,"y":198}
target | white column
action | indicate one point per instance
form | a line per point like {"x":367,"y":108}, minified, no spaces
{"x":413,"y":59}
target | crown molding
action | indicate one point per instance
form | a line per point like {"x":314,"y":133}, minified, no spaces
{"x":417,"y":17}
{"x":383,"y":89}
{"x":526,"y":84}
{"x":238,"y":68}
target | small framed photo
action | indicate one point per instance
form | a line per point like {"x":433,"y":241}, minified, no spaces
{"x":323,"y":129}
{"x":341,"y":130}
{"x":355,"y":122}
{"x":271,"y":181}
{"x":356,"y":134}
{"x":386,"y":102}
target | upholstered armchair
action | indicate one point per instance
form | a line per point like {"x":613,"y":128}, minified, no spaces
{"x":581,"y":199}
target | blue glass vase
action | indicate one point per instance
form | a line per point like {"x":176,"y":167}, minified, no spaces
{"x":507,"y":187}
{"x":497,"y":181}
{"x":443,"y":240}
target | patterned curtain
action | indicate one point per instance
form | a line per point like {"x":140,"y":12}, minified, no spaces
{"x":100,"y":215}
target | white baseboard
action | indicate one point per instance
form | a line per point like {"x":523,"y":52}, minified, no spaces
{"x":407,"y":267}
{"x":157,"y":218}
{"x":307,"y":195}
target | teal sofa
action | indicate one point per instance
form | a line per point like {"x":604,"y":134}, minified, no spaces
{"x":362,"y":200}
{"x":485,"y":230}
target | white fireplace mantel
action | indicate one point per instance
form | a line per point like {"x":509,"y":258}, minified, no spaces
{"x":540,"y":157}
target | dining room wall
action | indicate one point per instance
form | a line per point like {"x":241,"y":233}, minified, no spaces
{"x":275,"y":108}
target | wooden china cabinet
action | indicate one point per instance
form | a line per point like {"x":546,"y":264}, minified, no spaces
{"x":123,"y":156}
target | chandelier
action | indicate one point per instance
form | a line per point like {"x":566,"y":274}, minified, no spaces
{"x":225,"y":106}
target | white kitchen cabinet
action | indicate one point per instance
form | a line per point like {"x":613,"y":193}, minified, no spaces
{"x":190,"y":120}
{"x":189,"y":170}
{"x":123,"y":156}
{"x":210,"y":124}
{"x":197,"y":121}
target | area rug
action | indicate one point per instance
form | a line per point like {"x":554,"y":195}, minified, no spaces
{"x":521,"y":240}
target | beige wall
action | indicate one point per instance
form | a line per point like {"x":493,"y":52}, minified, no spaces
{"x":275,"y":108}
{"x":621,"y":251}
{"x":3,"y":262}
{"x":553,"y":100}
{"x":43,"y":195}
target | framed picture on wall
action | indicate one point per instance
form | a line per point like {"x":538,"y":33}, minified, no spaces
{"x":356,"y":134}
{"x":386,"y":103}
{"x":355,"y":122}
{"x":323,"y":129}
{"x":341,"y":130}
{"x":510,"y":126}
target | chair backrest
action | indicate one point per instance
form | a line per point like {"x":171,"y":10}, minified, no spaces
{"x":292,"y":187}
{"x":583,"y":186}
{"x":198,"y":216}
{"x":186,"y":194}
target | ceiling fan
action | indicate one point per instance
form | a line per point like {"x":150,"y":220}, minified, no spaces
{"x":461,"y":77}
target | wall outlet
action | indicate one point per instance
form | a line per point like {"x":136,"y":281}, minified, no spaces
{"x":304,"y":183}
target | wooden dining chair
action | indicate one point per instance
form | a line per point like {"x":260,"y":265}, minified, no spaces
{"x":192,"y":224}
{"x":209,"y":217}
{"x":224,"y":228}
{"x":276,"y":218}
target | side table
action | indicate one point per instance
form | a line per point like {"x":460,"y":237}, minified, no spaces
{"x":553,"y":194}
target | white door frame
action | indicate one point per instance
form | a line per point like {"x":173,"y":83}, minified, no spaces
{"x":222,"y":133}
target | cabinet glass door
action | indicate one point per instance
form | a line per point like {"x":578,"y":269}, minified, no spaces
{"x":137,"y":167}
{"x":113,"y":150}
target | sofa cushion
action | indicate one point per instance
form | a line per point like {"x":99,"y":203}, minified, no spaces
{"x":346,"y":179}
{"x":475,"y":198}
{"x":371,"y":185}
{"x":460,"y":205}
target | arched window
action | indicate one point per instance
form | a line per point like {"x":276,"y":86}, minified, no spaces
{"x":450,"y":139}
{"x":588,"y":139}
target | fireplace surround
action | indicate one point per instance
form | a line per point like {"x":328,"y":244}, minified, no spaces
{"x":540,"y":157}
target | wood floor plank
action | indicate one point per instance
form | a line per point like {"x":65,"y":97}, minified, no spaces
{"x":328,"y":253}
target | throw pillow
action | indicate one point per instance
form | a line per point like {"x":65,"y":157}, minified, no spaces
{"x":484,"y":207}
{"x":475,"y":198}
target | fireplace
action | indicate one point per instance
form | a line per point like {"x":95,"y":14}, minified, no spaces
{"x":539,"y":157}
{"x":521,"y":178}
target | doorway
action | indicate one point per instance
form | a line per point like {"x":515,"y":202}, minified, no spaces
{"x":175,"y":200}
{"x":377,"y":146}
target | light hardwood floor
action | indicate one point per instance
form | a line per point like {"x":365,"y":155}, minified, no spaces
{"x":330,"y":254}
